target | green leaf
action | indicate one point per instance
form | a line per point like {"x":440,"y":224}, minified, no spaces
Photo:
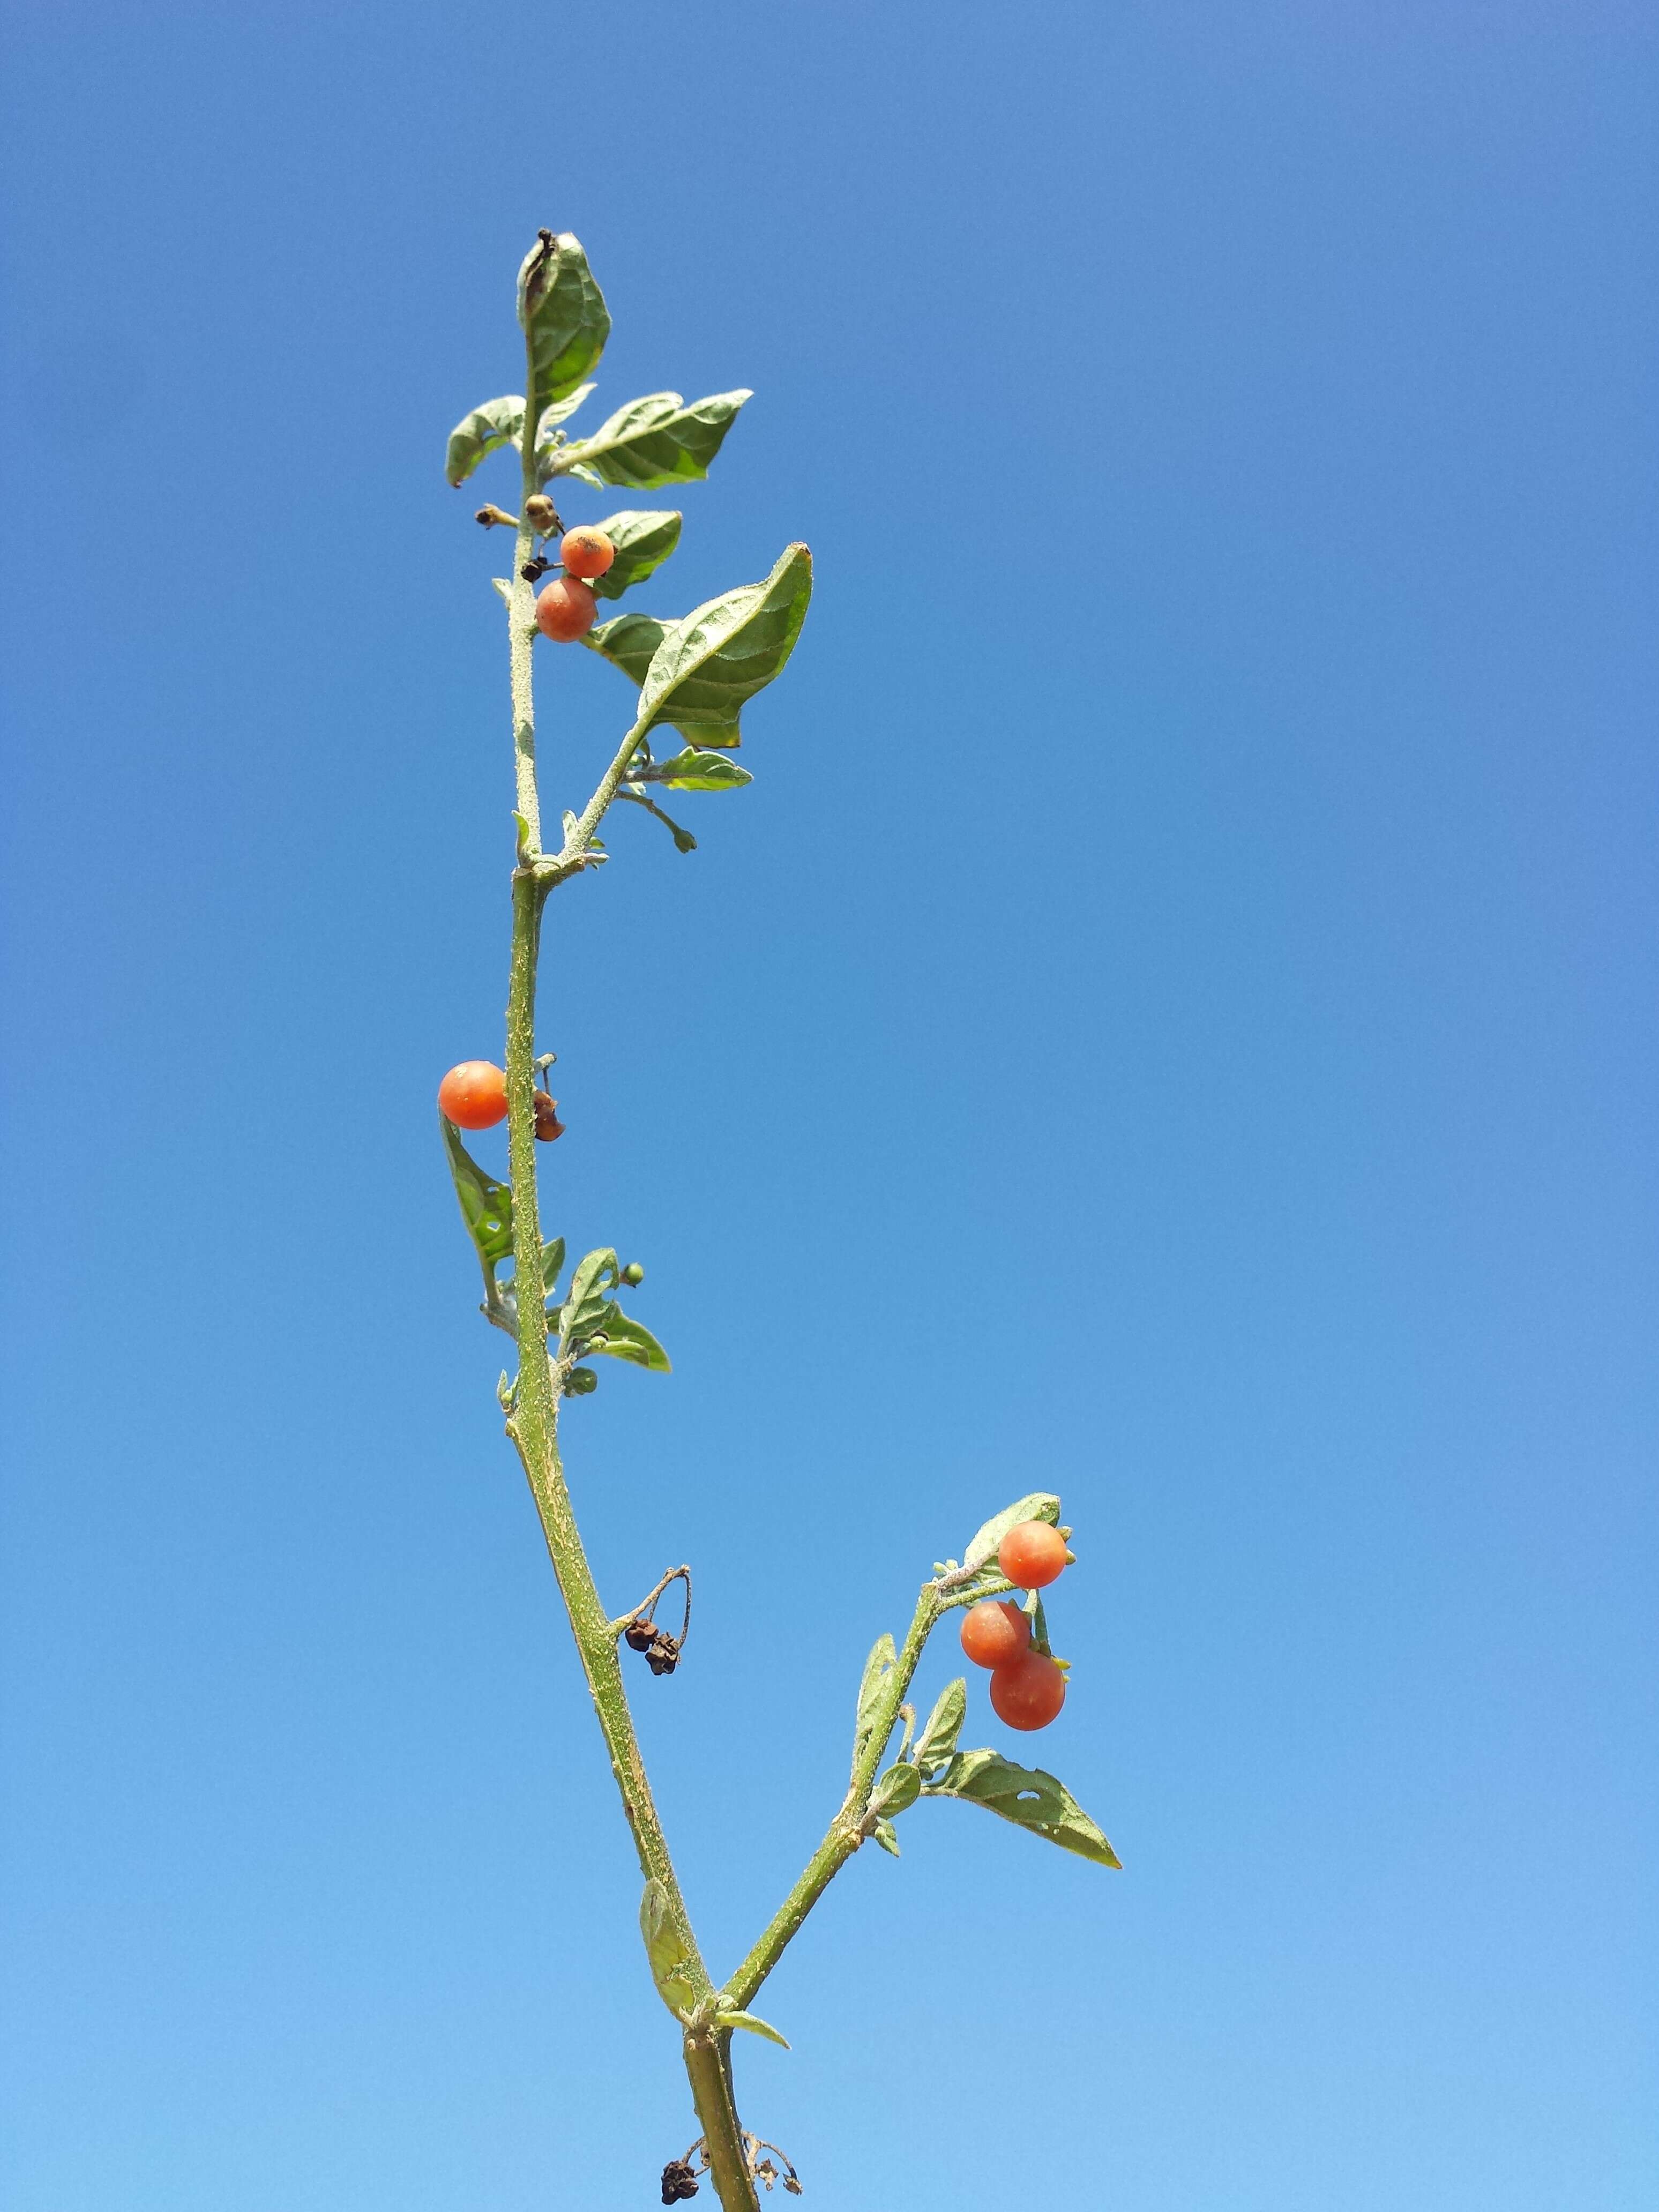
{"x":653,"y":442}
{"x":887,"y":1836}
{"x":552,"y":1264}
{"x":696,"y":770}
{"x":666,"y":1949}
{"x":896,"y":1791}
{"x":586,"y":1300}
{"x":883,"y":1657}
{"x":1039,"y":1506}
{"x":753,"y":2022}
{"x":619,"y":1338}
{"x":644,"y":538}
{"x":486,"y":1205}
{"x":709,"y":665}
{"x":580,"y":1383}
{"x":628,"y":642}
{"x":562,"y":313}
{"x":938,"y":1740}
{"x":1029,"y":1797}
{"x":497,"y":423}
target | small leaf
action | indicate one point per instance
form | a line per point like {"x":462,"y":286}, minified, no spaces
{"x":938,"y":1740}
{"x":1039,"y":1506}
{"x":897,"y":1792}
{"x":887,"y":1836}
{"x":628,"y":642}
{"x":644,"y":538}
{"x":552,"y":1264}
{"x":562,"y":313}
{"x":486,"y":1205}
{"x":709,"y":665}
{"x":883,"y":1657}
{"x":580,"y":1383}
{"x":1029,"y":1797}
{"x":667,"y":1950}
{"x":560,"y":411}
{"x":751,"y":2022}
{"x":497,"y":423}
{"x":653,"y":442}
{"x":696,"y":770}
{"x":619,"y":1338}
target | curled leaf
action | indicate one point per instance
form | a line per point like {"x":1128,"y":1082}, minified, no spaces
{"x":486,"y":1205}
{"x":497,"y":423}
{"x":563,"y":315}
{"x":1039,"y":1506}
{"x":896,"y":1791}
{"x":653,"y":442}
{"x":752,"y":2023}
{"x":666,"y":1948}
{"x":938,"y":1740}
{"x":883,"y":1657}
{"x":644,"y":538}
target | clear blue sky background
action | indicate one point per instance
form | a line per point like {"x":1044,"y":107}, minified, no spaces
{"x":1172,"y":1021}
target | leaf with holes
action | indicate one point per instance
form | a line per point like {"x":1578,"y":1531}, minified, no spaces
{"x":486,"y":1205}
{"x":878,"y":1669}
{"x":496,"y":423}
{"x":586,"y":1300}
{"x":562,"y":314}
{"x":938,"y":1740}
{"x":667,"y":1950}
{"x":653,"y":442}
{"x":710,"y":665}
{"x":1027,"y":1796}
{"x":644,"y":538}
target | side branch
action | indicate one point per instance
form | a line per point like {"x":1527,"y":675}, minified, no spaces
{"x":848,"y":1829}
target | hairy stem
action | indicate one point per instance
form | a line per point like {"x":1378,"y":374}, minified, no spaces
{"x":534,"y":1423}
{"x":847,"y":1831}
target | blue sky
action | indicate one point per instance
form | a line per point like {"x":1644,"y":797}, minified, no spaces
{"x":1170,"y":1022}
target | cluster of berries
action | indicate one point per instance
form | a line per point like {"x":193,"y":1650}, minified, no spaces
{"x":1028,"y":1687}
{"x":474,"y":1097}
{"x":566,"y":608}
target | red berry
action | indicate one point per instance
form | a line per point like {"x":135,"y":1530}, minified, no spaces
{"x":586,"y":552}
{"x":474,"y":1095}
{"x":1031,"y":1554}
{"x":1029,"y":1691}
{"x":994,"y":1631}
{"x":566,"y":611}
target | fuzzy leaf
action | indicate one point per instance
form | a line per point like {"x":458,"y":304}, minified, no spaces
{"x":696,"y":770}
{"x":883,"y":1657}
{"x":896,"y":1791}
{"x":1039,"y":1506}
{"x":486,"y":1205}
{"x":666,"y":1949}
{"x":560,"y":411}
{"x":887,"y":1836}
{"x":709,"y":665}
{"x":753,"y":2022}
{"x":562,"y":313}
{"x":644,"y":538}
{"x":938,"y":1740}
{"x":653,"y":442}
{"x":497,"y":423}
{"x":1029,"y":1797}
{"x":552,"y":1264}
{"x":586,"y":1301}
{"x":628,"y":642}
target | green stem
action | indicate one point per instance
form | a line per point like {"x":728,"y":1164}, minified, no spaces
{"x":534,"y":1423}
{"x":847,"y":1831}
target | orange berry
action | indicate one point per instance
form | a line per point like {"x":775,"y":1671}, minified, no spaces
{"x":994,"y":1631}
{"x":586,"y":552}
{"x":1031,"y":1554}
{"x":474,"y":1095}
{"x":566,"y":610}
{"x":1029,"y":1691}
